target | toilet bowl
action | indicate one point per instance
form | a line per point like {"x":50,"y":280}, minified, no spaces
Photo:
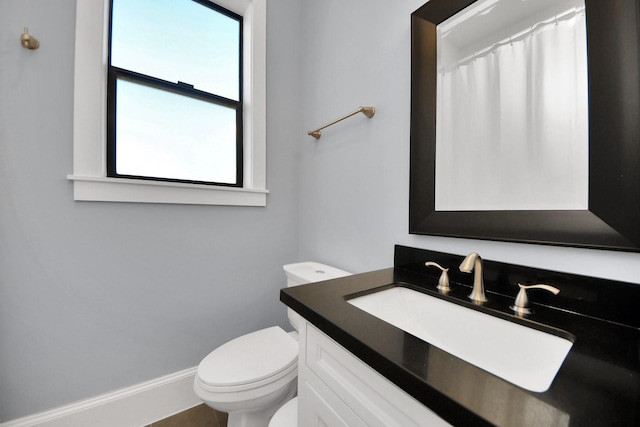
{"x":254,"y":375}
{"x":287,"y":415}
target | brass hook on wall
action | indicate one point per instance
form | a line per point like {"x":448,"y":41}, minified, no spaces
{"x":28,"y":41}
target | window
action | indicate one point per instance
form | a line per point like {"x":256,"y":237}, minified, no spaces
{"x":120,"y":166}
{"x":174,"y":92}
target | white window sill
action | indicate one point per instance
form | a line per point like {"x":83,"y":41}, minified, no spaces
{"x":88,"y":188}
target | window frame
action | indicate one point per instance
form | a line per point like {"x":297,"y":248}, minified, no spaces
{"x":90,"y":179}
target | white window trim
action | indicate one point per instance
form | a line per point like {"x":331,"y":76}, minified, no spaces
{"x":90,"y":181}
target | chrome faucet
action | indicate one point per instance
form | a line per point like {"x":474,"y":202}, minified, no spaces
{"x":473,"y":262}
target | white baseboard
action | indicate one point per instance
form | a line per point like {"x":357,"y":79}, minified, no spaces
{"x":135,"y":406}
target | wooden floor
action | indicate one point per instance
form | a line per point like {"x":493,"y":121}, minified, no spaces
{"x":198,"y":416}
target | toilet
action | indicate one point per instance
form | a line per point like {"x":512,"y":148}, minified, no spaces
{"x":252,"y":376}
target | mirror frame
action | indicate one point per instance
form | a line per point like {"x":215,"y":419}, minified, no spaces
{"x":612,"y":220}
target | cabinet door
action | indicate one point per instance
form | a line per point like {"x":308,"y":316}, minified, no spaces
{"x":374,"y":399}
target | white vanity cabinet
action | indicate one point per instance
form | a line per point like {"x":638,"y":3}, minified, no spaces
{"x":335,"y":388}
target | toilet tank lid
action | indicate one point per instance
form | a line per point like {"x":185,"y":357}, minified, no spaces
{"x":309,"y":271}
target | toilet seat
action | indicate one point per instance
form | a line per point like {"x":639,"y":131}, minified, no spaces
{"x":249,"y":361}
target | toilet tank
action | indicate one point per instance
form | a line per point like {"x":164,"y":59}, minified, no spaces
{"x":308,"y":272}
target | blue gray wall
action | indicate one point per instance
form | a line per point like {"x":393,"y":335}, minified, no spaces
{"x":99,"y":296}
{"x":354,"y":181}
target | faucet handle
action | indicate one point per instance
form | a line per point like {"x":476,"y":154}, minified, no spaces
{"x":521,"y":304}
{"x":443,"y":282}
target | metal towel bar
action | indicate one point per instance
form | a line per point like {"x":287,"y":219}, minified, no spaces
{"x":367,"y":111}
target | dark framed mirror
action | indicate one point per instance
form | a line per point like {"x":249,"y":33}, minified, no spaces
{"x":611,"y":218}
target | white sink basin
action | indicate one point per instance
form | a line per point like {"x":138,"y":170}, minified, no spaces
{"x":523,"y":356}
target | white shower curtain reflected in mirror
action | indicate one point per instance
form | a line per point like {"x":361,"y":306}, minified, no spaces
{"x":512,"y":118}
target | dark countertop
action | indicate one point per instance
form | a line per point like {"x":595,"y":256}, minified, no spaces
{"x":598,"y":384}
